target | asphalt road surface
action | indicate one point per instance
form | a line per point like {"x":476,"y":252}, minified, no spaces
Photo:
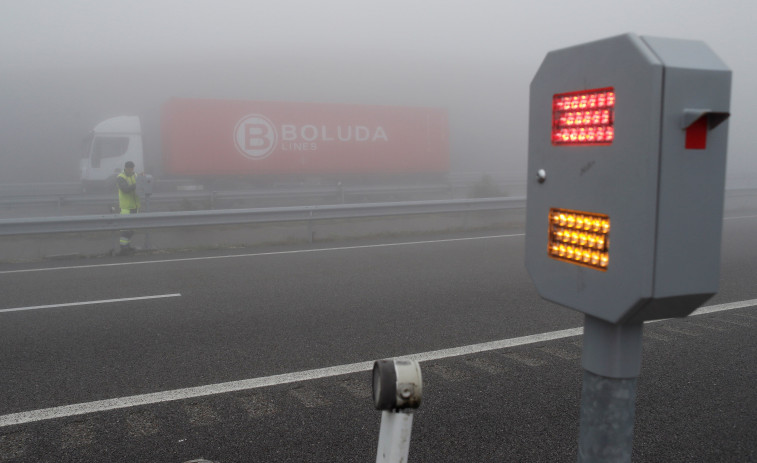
{"x":265,"y":356}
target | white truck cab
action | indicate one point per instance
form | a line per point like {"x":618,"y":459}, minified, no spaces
{"x":107,"y":147}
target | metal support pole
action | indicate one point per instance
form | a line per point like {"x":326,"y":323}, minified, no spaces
{"x":607,"y":413}
{"x":394,"y":436}
{"x":612,"y":361}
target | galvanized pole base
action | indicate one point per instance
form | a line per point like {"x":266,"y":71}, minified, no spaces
{"x":612,"y":362}
{"x":607,"y":415}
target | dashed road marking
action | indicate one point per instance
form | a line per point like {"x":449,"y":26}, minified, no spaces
{"x":655,"y":335}
{"x":678,"y":330}
{"x":524,"y":359}
{"x":357,"y":389}
{"x":309,"y":397}
{"x":77,"y":434}
{"x":706,"y":326}
{"x":735,"y":322}
{"x":257,"y":405}
{"x":201,"y":414}
{"x":560,"y":352}
{"x":13,"y":445}
{"x":487,"y":365}
{"x":142,"y":423}
{"x":446,"y":373}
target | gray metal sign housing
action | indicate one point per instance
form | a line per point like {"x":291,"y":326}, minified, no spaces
{"x":645,"y":152}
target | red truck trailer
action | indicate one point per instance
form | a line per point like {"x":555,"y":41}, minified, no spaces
{"x":202,"y":138}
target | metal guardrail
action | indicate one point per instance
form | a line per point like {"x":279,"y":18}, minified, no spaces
{"x":210,"y":196}
{"x":111,"y":222}
{"x":39,"y":188}
{"x":338,"y":192}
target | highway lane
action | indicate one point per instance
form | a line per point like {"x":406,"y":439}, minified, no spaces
{"x":264,"y":314}
{"x":277,"y":311}
{"x":695,"y":404}
{"x":280,"y":310}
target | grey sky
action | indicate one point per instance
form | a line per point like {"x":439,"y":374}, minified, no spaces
{"x":463,"y":55}
{"x":64,"y":31}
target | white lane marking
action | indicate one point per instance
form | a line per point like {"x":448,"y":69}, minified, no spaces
{"x":103,"y":301}
{"x":273,"y":253}
{"x":179,"y":394}
{"x":741,"y":217}
{"x":299,"y":376}
{"x":726,"y":306}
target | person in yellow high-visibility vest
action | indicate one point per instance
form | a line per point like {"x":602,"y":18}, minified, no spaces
{"x":128,"y":202}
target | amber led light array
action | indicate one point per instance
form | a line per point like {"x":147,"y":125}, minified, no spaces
{"x":580,"y":238}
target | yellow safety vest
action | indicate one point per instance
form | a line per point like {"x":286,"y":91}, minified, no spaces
{"x":128,"y":201}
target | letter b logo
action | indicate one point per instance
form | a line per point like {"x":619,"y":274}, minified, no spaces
{"x":255,"y":136}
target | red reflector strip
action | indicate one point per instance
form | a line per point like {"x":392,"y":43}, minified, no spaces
{"x":696,"y":134}
{"x":584,"y":118}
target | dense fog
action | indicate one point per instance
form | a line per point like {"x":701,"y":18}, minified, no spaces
{"x":69,"y":64}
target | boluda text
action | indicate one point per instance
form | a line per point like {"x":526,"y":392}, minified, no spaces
{"x":305,"y":138}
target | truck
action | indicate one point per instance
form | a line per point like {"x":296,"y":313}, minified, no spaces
{"x":204,"y":140}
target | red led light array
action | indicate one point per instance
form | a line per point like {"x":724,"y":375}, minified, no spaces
{"x":584,"y":118}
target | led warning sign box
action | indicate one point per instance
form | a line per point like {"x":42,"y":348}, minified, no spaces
{"x":626,"y":174}
{"x":584,"y":118}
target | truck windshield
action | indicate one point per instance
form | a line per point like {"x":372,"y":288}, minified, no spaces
{"x":108,"y":147}
{"x":86,"y":146}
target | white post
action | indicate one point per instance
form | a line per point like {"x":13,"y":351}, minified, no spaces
{"x":394,"y":437}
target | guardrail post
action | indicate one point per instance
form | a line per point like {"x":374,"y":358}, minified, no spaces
{"x":311,"y":233}
{"x":147,"y":233}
